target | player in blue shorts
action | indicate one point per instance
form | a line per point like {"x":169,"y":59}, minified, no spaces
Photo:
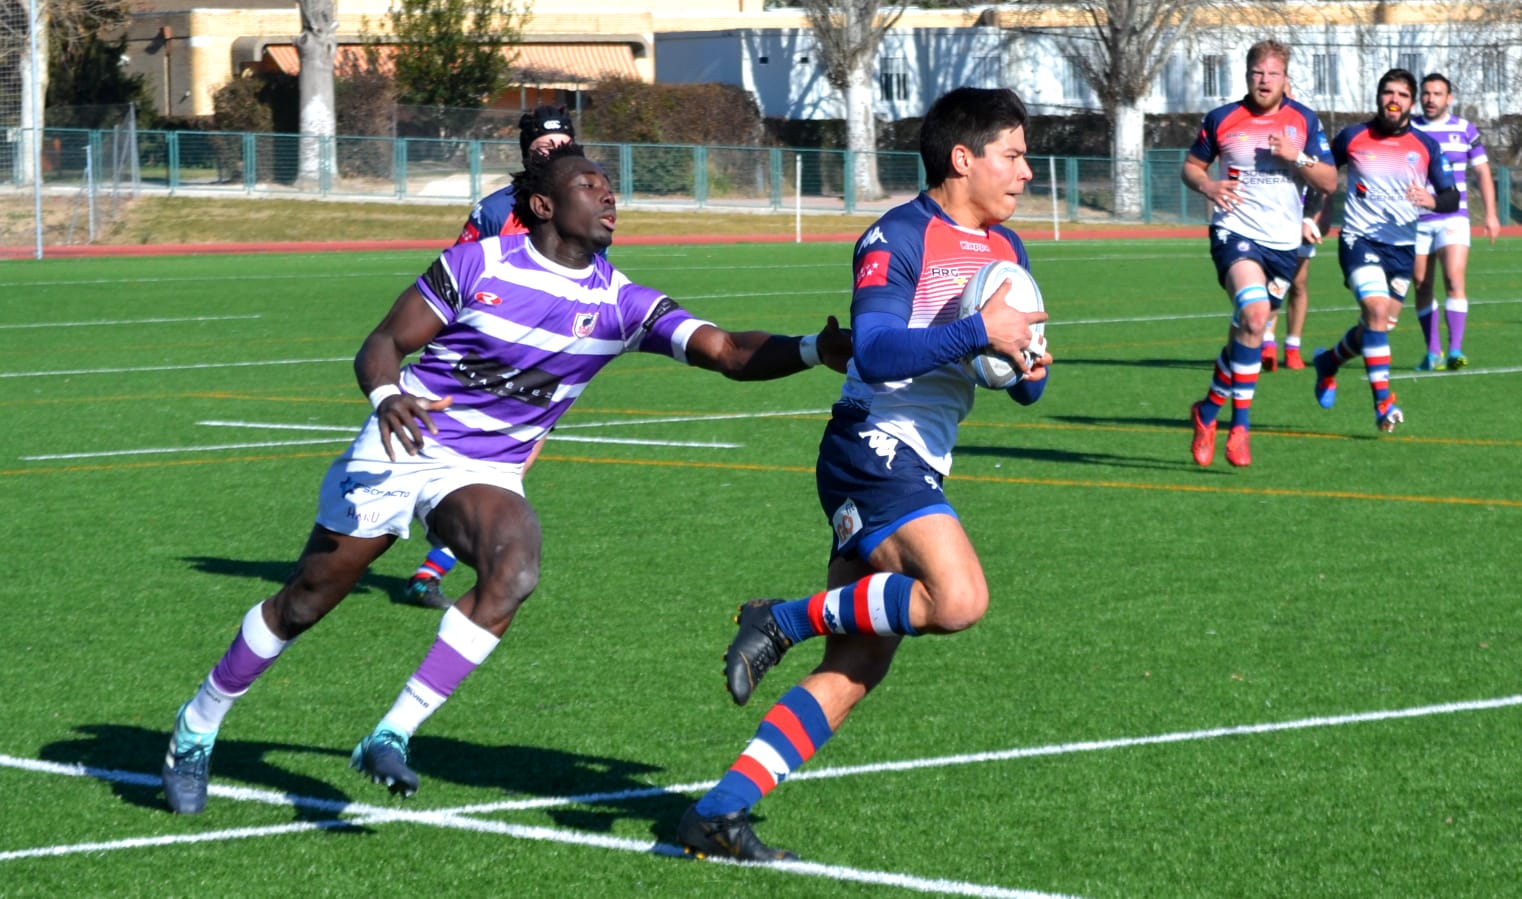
{"x":1389,"y":168}
{"x":511,"y":329}
{"x":1268,"y":148}
{"x":540,"y":130}
{"x":900,"y":563}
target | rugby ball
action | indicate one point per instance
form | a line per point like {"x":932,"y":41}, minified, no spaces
{"x":995,"y":370}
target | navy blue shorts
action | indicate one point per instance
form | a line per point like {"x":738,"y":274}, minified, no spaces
{"x":870,"y":485}
{"x":1397,"y":262}
{"x":1227,"y":247}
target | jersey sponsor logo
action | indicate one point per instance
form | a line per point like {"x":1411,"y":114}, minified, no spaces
{"x":583,"y":323}
{"x":351,"y":486}
{"x":882,"y":444}
{"x":529,"y":385}
{"x":487,"y":298}
{"x":941,"y":271}
{"x":872,"y":271}
{"x":1233,"y":173}
{"x":973,"y":246}
{"x":846,"y":521}
{"x":662,"y":309}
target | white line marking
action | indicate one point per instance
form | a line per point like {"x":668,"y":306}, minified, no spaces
{"x":1467,"y":370}
{"x":200,"y":366}
{"x":132,"y":321}
{"x":208,"y":837}
{"x":109,"y":454}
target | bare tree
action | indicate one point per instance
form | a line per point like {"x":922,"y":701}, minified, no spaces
{"x":317,"y":44}
{"x":848,"y":37}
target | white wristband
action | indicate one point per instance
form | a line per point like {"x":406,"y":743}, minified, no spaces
{"x":1315,"y":228}
{"x":1304,"y":160}
{"x":379,"y":394}
{"x":808,"y":350}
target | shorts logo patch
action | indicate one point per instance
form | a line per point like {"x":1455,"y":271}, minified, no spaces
{"x":846,"y":521}
{"x":882,"y":444}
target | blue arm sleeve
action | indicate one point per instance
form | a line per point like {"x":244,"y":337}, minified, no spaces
{"x":886,"y":349}
{"x":1026,"y":392}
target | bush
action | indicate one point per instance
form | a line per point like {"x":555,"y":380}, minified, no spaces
{"x":625,"y":110}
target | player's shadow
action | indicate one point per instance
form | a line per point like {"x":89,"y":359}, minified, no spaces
{"x":577,"y":791}
{"x":276,"y":573}
{"x":121,"y":752}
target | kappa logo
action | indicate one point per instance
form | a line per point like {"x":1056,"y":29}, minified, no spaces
{"x":583,"y":324}
{"x":487,"y":298}
{"x":874,"y":236}
{"x":882,"y":444}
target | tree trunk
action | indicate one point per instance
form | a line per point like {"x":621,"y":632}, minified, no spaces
{"x":861,"y":129}
{"x":317,"y":45}
{"x":1128,"y":148}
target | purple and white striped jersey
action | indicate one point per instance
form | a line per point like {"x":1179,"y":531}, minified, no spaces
{"x":1460,"y":143}
{"x":522,"y":337}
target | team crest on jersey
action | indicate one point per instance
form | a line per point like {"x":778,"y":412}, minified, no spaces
{"x":1413,"y":158}
{"x":487,"y":298}
{"x":583,"y":324}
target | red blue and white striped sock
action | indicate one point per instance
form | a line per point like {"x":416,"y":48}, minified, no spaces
{"x":439,"y":562}
{"x":1220,"y":387}
{"x":876,"y":605}
{"x":1376,"y":361}
{"x":1246,"y":363}
{"x":789,"y":735}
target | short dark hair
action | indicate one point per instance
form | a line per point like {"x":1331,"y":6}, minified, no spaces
{"x":543,"y":120}
{"x":536,"y":178}
{"x":1438,"y":76}
{"x":1400,"y":75}
{"x":971,"y":117}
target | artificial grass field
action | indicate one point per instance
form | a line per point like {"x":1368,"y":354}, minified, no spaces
{"x":1296,"y":679}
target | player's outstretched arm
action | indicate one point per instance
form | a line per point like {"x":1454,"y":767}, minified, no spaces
{"x":761,"y":356}
{"x":406,"y":329}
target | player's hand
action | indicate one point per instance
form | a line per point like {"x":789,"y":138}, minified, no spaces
{"x":1420,"y":196}
{"x":834,"y":345}
{"x":1310,"y":232}
{"x":398,"y":416}
{"x":1226,"y":195}
{"x":1008,"y":329}
{"x":1492,"y":227}
{"x":1034,"y":370}
{"x":1281,"y":147}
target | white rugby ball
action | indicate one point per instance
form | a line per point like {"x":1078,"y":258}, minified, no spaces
{"x":995,"y":370}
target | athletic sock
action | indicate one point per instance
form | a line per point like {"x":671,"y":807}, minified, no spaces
{"x":1220,"y":388}
{"x":1291,"y":343}
{"x":875,"y":605}
{"x":1427,"y":318}
{"x":789,"y":735}
{"x":1457,"y":313}
{"x":439,"y":562}
{"x":1376,"y":361}
{"x":1246,"y":363}
{"x":253,"y":650}
{"x":460,"y":647}
{"x":1349,"y":346}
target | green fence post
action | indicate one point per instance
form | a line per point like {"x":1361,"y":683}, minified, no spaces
{"x":474,"y":149}
{"x":172,"y":158}
{"x":774,"y":161}
{"x":250,"y":162}
{"x":700,"y":175}
{"x":1503,"y":194}
{"x":1070,"y":179}
{"x":626,"y":172}
{"x":399,"y":145}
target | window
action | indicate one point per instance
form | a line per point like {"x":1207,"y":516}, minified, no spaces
{"x":1074,"y":88}
{"x":1217,"y":76}
{"x":1493,"y":71}
{"x":894,"y":76}
{"x":1411,"y":61}
{"x":1324,"y":75}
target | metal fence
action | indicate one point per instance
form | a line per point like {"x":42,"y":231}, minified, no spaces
{"x":87,"y":173}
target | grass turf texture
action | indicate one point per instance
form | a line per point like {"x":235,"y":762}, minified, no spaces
{"x":1134,"y":595}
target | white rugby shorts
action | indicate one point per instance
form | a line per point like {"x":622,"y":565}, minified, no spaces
{"x":365,"y":494}
{"x":1439,"y":233}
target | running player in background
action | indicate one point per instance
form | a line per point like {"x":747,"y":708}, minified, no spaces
{"x":511,"y":329}
{"x":1390,"y":166}
{"x":1443,"y":237}
{"x":540,"y":130}
{"x":1297,"y":299}
{"x":900,"y":563}
{"x":1270,"y":148}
